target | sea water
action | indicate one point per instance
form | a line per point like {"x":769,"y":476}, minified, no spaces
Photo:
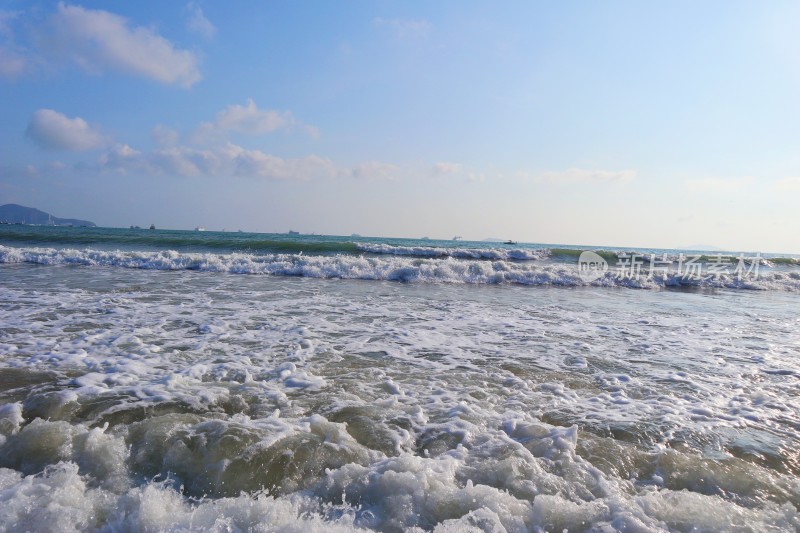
{"x":156,"y":380}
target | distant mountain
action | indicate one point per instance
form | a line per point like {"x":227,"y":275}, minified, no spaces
{"x":19,"y":214}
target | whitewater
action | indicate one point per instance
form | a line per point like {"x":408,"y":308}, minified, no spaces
{"x":178,"y":381}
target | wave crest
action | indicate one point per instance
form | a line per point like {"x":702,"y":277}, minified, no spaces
{"x":407,"y":269}
{"x":515,"y":254}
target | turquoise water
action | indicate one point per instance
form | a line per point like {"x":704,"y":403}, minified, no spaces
{"x":406,"y":260}
{"x":222,"y":242}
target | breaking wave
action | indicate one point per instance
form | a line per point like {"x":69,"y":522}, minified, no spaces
{"x":447,"y":269}
{"x":520,"y":254}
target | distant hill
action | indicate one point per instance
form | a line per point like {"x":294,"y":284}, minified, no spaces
{"x":19,"y":214}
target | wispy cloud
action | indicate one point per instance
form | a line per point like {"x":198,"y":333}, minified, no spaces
{"x":219,"y":159}
{"x":402,"y":28}
{"x":445,"y":168}
{"x":100,"y":41}
{"x":5,"y":23}
{"x":12,"y":57}
{"x":222,"y":161}
{"x":12,"y":63}
{"x":198,"y":23}
{"x":718,"y":184}
{"x":448,"y":169}
{"x":164,"y":136}
{"x":55,"y":131}
{"x":249,"y":119}
{"x":256,"y":163}
{"x":121,"y":158}
{"x":791,"y":184}
{"x":589,"y":176}
{"x":375,"y":171}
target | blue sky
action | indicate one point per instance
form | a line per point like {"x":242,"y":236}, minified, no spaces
{"x":605,"y":123}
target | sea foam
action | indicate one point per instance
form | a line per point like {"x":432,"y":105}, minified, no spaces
{"x":175,"y":399}
{"x":447,"y":269}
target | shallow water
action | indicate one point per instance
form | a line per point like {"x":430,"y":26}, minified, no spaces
{"x":175,"y":400}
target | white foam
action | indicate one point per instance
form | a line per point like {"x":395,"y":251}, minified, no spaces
{"x":432,"y":270}
{"x":503,"y":254}
{"x":388,"y":406}
{"x":60,"y":499}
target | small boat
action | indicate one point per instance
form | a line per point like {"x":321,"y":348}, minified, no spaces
{"x":199,"y":228}
{"x":510,"y":242}
{"x":152,"y":226}
{"x":292,"y":232}
{"x":457,"y":238}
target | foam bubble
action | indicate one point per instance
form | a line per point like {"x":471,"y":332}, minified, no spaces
{"x":182,"y":400}
{"x":503,"y":254}
{"x":445,"y":268}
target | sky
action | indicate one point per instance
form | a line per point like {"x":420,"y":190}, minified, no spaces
{"x":621,"y":123}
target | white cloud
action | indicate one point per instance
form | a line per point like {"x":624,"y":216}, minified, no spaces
{"x":718,"y":184}
{"x":98,"y":41}
{"x":121,"y":158}
{"x":182,"y":161}
{"x":198,"y":23}
{"x":375,"y":170}
{"x":164,"y":136}
{"x":55,"y":131}
{"x":404,"y":27}
{"x":255,"y":163}
{"x":250,"y":120}
{"x":223,"y":161}
{"x":588,"y":176}
{"x":12,"y":59}
{"x":311,"y":131}
{"x":12,"y":64}
{"x":791,"y":184}
{"x":444,"y":168}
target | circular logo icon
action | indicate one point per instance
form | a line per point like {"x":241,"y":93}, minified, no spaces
{"x":591,"y":266}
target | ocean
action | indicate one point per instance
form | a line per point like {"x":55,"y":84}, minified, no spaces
{"x":157,"y":380}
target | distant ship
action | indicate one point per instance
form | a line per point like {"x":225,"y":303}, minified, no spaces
{"x":510,"y":242}
{"x":290,"y":232}
{"x":457,"y":238}
{"x":152,"y":226}
{"x":199,"y":228}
